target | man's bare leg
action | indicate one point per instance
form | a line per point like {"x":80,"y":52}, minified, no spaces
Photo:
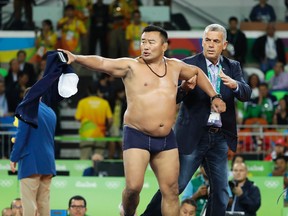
{"x":135,"y":164}
{"x":166,"y":168}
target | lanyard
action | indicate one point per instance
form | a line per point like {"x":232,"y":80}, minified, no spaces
{"x":216,"y":83}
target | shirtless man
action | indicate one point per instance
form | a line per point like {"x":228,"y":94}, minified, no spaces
{"x":151,"y":87}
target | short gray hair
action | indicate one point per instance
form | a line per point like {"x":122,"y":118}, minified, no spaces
{"x":217,"y":28}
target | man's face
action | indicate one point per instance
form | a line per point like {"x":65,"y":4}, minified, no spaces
{"x":21,"y":57}
{"x":187,"y":210}
{"x":263,"y":91}
{"x":213,"y":44}
{"x":233,"y":25}
{"x":17,"y":208}
{"x":278,"y":68}
{"x":77,"y":208}
{"x":280,"y":165}
{"x":239,"y":172}
{"x":152,"y":45}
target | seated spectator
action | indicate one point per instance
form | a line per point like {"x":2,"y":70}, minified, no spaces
{"x":256,"y":141}
{"x":90,"y":171}
{"x":26,"y":67}
{"x":197,"y":189}
{"x":280,"y":169}
{"x":280,"y":79}
{"x":6,"y":212}
{"x":246,"y":196}
{"x":262,"y":12}
{"x":3,"y":101}
{"x":280,"y":149}
{"x":254,"y":82}
{"x":77,"y":206}
{"x":268,"y":49}
{"x":16,"y":91}
{"x":12,"y":75}
{"x":16,"y":207}
{"x":281,"y":114}
{"x":188,"y":207}
{"x":262,"y":106}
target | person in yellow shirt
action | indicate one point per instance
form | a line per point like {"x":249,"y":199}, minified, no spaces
{"x":133,"y":31}
{"x":45,"y":40}
{"x":71,"y":29}
{"x":95,"y":116}
{"x":82,"y":9}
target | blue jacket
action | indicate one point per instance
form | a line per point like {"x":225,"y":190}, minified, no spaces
{"x":250,"y":201}
{"x":195,"y":107}
{"x":47,"y":88}
{"x":34,"y":147}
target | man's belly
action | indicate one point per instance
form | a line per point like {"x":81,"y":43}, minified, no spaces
{"x":153,"y":119}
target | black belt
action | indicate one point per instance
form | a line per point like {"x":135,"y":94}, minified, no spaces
{"x":213,"y":129}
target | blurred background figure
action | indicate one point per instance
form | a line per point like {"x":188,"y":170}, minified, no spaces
{"x":7,"y":212}
{"x":133,"y":32}
{"x":98,"y":34}
{"x":26,"y":67}
{"x":237,"y":41}
{"x":91,"y":171}
{"x":279,"y":149}
{"x":281,"y":114}
{"x":279,"y":81}
{"x":16,"y":22}
{"x":268,"y":49}
{"x":16,"y":206}
{"x":95,"y":115}
{"x":46,"y":40}
{"x":262,"y":12}
{"x":72,"y":29}
{"x":197,"y":189}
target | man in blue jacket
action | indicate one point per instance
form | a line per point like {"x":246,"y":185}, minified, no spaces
{"x":246,"y":196}
{"x":203,"y":136}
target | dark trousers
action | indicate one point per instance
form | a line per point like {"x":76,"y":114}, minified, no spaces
{"x":211,"y":151}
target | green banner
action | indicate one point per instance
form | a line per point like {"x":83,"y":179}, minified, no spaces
{"x":103,"y":195}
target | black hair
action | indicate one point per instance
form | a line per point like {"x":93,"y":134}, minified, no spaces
{"x":250,"y":78}
{"x":77,"y":197}
{"x":190,"y":202}
{"x":152,"y":28}
{"x":48,"y":22}
{"x":234,"y":158}
{"x":233,"y":18}
{"x":69,"y":7}
{"x":281,"y":157}
{"x":21,"y":52}
{"x":264,"y":84}
{"x":16,"y":199}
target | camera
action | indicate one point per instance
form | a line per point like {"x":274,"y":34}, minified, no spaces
{"x":233,"y":184}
